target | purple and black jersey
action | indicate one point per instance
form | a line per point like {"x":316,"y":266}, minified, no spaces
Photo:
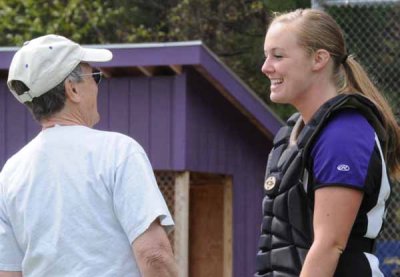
{"x":347,"y":153}
{"x":342,"y":153}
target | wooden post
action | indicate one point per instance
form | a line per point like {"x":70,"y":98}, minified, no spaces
{"x":227,"y":227}
{"x":181,"y":240}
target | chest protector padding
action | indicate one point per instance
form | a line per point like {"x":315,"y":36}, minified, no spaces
{"x":286,"y":230}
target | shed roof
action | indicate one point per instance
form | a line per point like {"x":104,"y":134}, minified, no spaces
{"x":170,"y":58}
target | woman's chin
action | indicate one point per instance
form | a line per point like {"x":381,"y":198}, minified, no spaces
{"x":276,"y":98}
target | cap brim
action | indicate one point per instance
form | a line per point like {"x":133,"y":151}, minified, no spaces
{"x":96,"y":55}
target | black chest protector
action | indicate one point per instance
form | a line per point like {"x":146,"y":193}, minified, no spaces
{"x":286,"y":231}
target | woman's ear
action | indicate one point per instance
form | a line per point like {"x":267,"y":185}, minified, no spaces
{"x":71,"y":91}
{"x":321,"y":59}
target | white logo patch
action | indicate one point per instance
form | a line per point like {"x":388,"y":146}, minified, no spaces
{"x":343,"y":167}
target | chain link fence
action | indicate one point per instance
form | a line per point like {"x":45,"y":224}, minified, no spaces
{"x":372,"y":32}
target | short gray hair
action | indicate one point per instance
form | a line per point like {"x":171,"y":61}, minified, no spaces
{"x":51,"y":102}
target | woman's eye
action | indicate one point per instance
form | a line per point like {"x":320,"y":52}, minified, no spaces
{"x":274,"y":56}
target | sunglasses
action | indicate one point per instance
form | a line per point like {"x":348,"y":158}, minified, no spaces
{"x":96,"y":75}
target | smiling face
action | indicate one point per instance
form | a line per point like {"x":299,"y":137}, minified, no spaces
{"x":287,"y":65}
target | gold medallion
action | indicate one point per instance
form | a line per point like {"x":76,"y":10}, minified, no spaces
{"x":270,"y":183}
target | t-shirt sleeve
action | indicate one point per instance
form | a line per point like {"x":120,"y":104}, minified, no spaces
{"x":137,"y":198}
{"x":342,"y":152}
{"x":10,"y":253}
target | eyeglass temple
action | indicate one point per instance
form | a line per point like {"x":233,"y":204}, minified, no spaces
{"x":93,"y":73}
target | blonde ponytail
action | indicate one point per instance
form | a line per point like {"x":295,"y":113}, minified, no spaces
{"x":356,"y":80}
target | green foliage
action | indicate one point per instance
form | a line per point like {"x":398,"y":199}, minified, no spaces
{"x":98,"y":21}
{"x":233,"y":29}
{"x":288,"y":5}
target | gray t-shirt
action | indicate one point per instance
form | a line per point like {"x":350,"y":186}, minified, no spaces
{"x":73,"y":200}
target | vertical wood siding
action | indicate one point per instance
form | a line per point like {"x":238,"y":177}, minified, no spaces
{"x":2,"y":123}
{"x":142,"y":108}
{"x":148,"y":110}
{"x":222,"y":140}
{"x":16,"y":124}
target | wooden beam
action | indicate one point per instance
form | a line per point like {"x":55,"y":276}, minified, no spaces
{"x":147,"y":70}
{"x":176,"y":68}
{"x":106,"y":72}
{"x":228,"y":271}
{"x":205,"y":178}
{"x":181,"y":240}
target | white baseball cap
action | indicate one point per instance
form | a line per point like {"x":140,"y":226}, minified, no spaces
{"x":43,"y":63}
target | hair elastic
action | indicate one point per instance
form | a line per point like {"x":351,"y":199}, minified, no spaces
{"x":344,"y":59}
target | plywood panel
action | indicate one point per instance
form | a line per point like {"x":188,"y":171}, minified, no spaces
{"x":103,"y":104}
{"x":119,"y":106}
{"x":179,"y":121}
{"x":161,"y":122}
{"x":3,"y":91}
{"x":140,"y":111}
{"x":206,"y":231}
{"x":15,"y":122}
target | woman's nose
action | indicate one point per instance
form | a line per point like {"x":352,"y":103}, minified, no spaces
{"x":267,"y":67}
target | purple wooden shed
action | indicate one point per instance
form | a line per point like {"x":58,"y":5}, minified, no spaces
{"x":207,"y":136}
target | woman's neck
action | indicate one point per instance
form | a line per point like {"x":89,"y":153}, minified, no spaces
{"x":316,"y":98}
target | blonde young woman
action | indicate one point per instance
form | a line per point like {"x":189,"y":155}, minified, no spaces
{"x":329,"y":172}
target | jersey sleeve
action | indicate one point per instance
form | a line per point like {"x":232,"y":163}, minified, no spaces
{"x":343,"y":152}
{"x":10,"y":253}
{"x":137,"y":198}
